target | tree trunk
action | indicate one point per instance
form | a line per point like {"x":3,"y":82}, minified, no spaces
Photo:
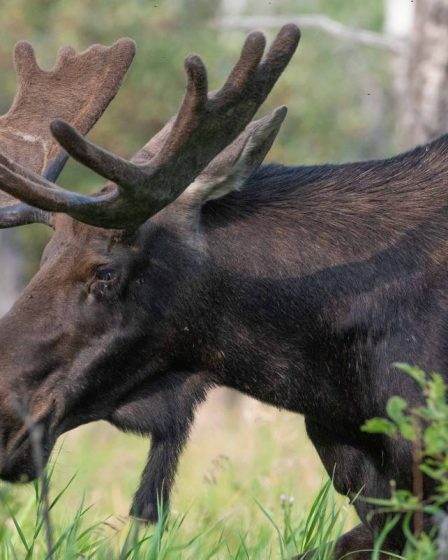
{"x":422,"y":72}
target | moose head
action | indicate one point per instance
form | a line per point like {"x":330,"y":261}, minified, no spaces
{"x":109,"y":324}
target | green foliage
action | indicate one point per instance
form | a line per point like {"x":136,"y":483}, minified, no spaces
{"x":425,"y":426}
{"x":380,"y":426}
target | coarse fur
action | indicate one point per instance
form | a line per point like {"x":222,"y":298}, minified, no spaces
{"x":300,"y":289}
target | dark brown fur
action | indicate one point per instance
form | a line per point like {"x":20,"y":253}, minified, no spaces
{"x":301,"y":290}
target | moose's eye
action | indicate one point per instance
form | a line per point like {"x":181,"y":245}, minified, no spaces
{"x":106,"y":274}
{"x":105,"y":282}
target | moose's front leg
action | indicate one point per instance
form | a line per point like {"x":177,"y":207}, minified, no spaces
{"x":153,"y":494}
{"x":163,"y":408}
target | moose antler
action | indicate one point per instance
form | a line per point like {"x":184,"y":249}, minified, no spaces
{"x":77,"y":89}
{"x":204,"y":126}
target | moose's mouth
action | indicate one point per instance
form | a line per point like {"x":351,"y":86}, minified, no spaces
{"x":22,"y":465}
{"x":27,"y":455}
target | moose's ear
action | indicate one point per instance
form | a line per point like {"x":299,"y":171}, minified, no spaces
{"x":234,"y":165}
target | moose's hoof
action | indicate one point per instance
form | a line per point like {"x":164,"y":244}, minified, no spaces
{"x":144,"y":512}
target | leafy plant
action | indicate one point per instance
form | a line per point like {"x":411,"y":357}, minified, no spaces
{"x":426,"y":427}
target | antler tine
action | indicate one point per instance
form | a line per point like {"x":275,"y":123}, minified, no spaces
{"x":193,"y":105}
{"x":46,"y":195}
{"x":204,"y":126}
{"x":101,"y":161}
{"x":20,"y":214}
{"x":250,"y":57}
{"x":278,"y":57}
{"x":78,"y":88}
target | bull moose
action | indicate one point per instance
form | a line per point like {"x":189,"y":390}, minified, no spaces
{"x":196,"y":267}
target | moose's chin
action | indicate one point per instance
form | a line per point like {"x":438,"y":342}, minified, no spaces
{"x":24,"y":464}
{"x":23,"y":473}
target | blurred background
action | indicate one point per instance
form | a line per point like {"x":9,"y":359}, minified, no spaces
{"x":369,"y":79}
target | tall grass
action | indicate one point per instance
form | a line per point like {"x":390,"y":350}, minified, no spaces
{"x":23,"y":534}
{"x":249,"y":486}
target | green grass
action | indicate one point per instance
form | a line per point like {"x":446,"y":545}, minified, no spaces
{"x":249,"y":486}
{"x":27,"y":535}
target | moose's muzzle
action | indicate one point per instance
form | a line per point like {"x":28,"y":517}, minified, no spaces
{"x":25,"y":452}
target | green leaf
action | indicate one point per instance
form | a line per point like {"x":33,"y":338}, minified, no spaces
{"x":415,"y":372}
{"x":437,"y":389}
{"x":395,"y":408}
{"x":432,"y":473}
{"x":434,"y":441}
{"x":380,"y":426}
{"x":408,"y":429}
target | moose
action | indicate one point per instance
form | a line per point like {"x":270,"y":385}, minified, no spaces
{"x":195,"y":266}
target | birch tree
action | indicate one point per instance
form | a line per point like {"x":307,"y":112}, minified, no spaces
{"x":423,"y":110}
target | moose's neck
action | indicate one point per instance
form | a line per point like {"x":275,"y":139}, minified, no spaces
{"x":306,"y":260}
{"x":330,"y":215}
